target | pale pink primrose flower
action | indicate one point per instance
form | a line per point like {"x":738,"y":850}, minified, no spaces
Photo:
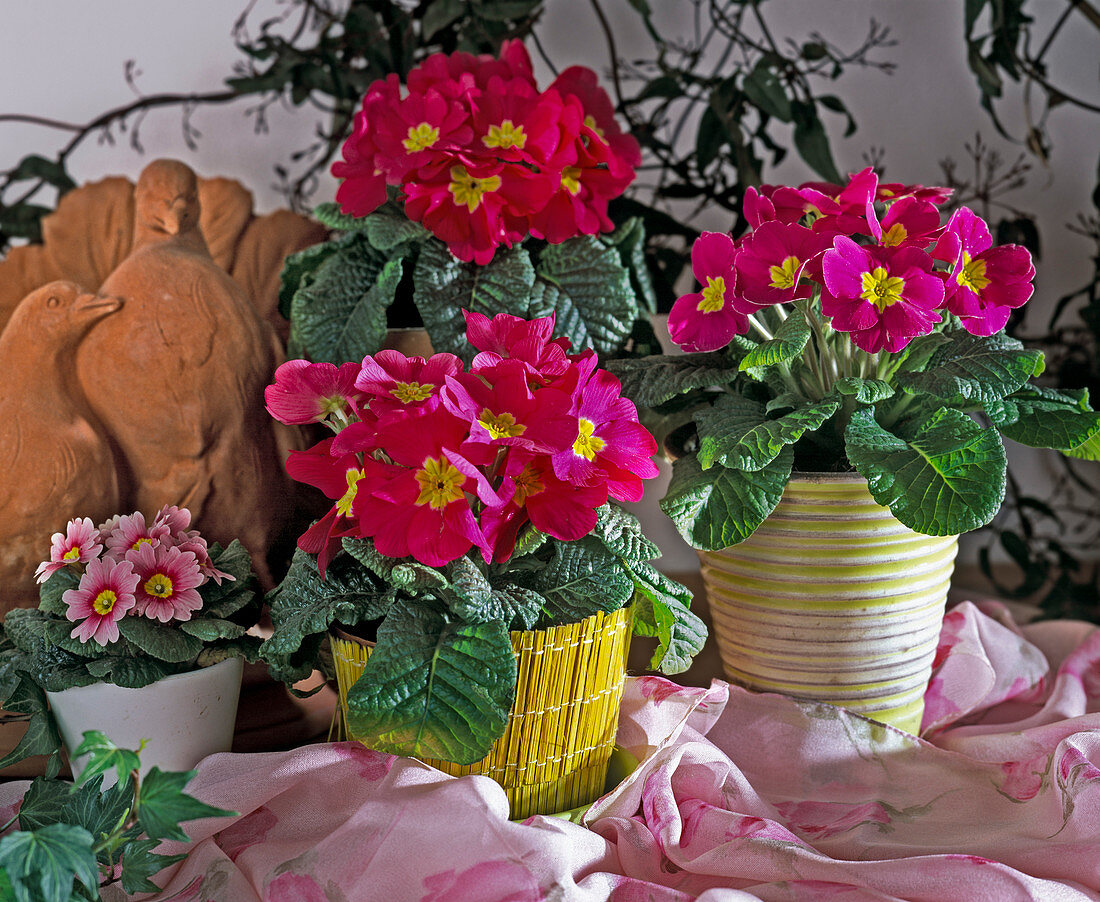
{"x":168,"y":581}
{"x":104,"y":595}
{"x":79,"y":544}
{"x":132,"y":531}
{"x":177,"y":519}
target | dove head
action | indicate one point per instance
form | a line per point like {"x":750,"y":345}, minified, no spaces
{"x":59,"y":314}
{"x":166,"y":201}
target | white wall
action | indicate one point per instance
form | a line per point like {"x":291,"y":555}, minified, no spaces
{"x":64,"y":59}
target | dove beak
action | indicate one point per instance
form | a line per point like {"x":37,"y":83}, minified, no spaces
{"x":99,"y":305}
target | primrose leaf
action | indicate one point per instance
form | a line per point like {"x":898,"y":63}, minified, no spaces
{"x":160,"y":640}
{"x":581,"y":578}
{"x":974,"y":369}
{"x":787,"y":343}
{"x":651,"y":381}
{"x":865,"y":391}
{"x":946,"y":477}
{"x":1048,"y":418}
{"x":662,"y":609}
{"x":621,"y":534}
{"x":737,"y":433}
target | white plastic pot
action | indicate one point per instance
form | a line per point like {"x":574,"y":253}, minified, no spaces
{"x":183,"y":717}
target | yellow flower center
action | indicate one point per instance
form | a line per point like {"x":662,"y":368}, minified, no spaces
{"x":972,"y":274}
{"x":73,"y":554}
{"x":409,"y":392}
{"x":714,"y":295}
{"x":590,"y":122}
{"x":440,"y":483}
{"x":528,"y":483}
{"x":500,"y":426}
{"x":159,"y":586}
{"x":421,"y":137}
{"x":104,"y":602}
{"x":571,"y":179}
{"x":786,"y":274}
{"x":142,"y":541}
{"x":468,"y":190}
{"x":895,"y":235}
{"x":332,"y":404}
{"x":343,"y":506}
{"x":506,"y":135}
{"x":881,"y":288}
{"x":586,"y":444}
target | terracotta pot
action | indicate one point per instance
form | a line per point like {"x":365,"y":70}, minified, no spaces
{"x":555,"y":751}
{"x":183,"y":717}
{"x":833,"y":599}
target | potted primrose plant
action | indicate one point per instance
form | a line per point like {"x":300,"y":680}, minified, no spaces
{"x":469,"y":187}
{"x":141,"y":633}
{"x":474,"y":576}
{"x":840,"y":411}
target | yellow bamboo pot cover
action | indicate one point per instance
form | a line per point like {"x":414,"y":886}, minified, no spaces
{"x":833,"y":599}
{"x":555,"y":750}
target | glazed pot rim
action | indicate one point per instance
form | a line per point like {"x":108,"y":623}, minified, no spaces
{"x":178,"y":677}
{"x":823,"y":477}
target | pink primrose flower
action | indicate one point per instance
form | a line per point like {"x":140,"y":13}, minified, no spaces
{"x":399,"y":384}
{"x":883,"y":296}
{"x":907,"y":223}
{"x":890,"y":191}
{"x":338,"y":477}
{"x":168,"y":581}
{"x":131,"y":531}
{"x":772,"y":260}
{"x":599,"y":112}
{"x":79,"y":544}
{"x":104,"y":595}
{"x":463,"y":73}
{"x":177,"y":519}
{"x":706,"y":320}
{"x":841,"y":210}
{"x":529,"y":341}
{"x":363,"y":181}
{"x":986,"y":283}
{"x":305,"y":392}
{"x":418,"y":130}
{"x":191,"y":541}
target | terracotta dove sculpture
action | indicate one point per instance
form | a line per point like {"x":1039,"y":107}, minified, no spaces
{"x":55,"y":460}
{"x":178,"y":376}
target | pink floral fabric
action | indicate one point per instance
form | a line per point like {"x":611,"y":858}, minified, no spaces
{"x":739,"y":796}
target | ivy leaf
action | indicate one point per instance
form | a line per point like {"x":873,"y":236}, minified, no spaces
{"x":865,"y":391}
{"x":139,"y":863}
{"x":1047,"y":418}
{"x":974,"y":369}
{"x":42,"y":864}
{"x":165,"y":806}
{"x":340,"y":315}
{"x":581,"y":578}
{"x":737,"y":433}
{"x":945,"y":478}
{"x":103,"y":756}
{"x":716,"y":510}
{"x":787,"y":343}
{"x":662,"y":609}
{"x":160,"y":640}
{"x":433,"y":688}
{"x":583,"y":282}
{"x":89,"y":806}
{"x":622,"y":535}
{"x":443,"y":286}
{"x":652,"y":381}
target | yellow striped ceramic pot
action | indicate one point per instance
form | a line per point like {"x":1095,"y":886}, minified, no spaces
{"x":833,"y":599}
{"x":556,"y":746}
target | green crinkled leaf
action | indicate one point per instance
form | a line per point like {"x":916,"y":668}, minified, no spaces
{"x":581,"y":578}
{"x":41,"y":736}
{"x":662,"y":609}
{"x":946,"y":477}
{"x":621,"y":534}
{"x":528,"y":541}
{"x":127,"y":672}
{"x":1048,"y":418}
{"x":651,"y":381}
{"x":328,"y":214}
{"x":434,"y":689}
{"x":340,"y":313}
{"x":586,"y":286}
{"x":299,"y":270}
{"x":233,"y":595}
{"x":914,"y":356}
{"x":26,"y":627}
{"x":443,"y":286}
{"x":865,"y":391}
{"x":50,"y":593}
{"x":737,"y":433}
{"x":403,"y":575}
{"x":60,"y":633}
{"x":139,"y":863}
{"x":786,"y":344}
{"x":518,"y":608}
{"x":629,"y":240}
{"x":718,"y":509}
{"x":42,"y":864}
{"x":305,"y":606}
{"x":165,"y":806}
{"x":974,"y":369}
{"x":103,"y":756}
{"x":211,"y":629}
{"x":247,"y":647}
{"x":388,"y":228}
{"x":163,"y":641}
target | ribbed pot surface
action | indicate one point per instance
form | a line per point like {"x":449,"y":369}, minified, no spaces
{"x":833,"y":599}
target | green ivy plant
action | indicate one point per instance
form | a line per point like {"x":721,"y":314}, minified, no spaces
{"x":74,"y":838}
{"x":383,"y":269}
{"x":454,"y":621}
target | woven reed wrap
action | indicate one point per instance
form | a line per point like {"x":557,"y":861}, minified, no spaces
{"x":561,"y":730}
{"x":833,"y":599}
